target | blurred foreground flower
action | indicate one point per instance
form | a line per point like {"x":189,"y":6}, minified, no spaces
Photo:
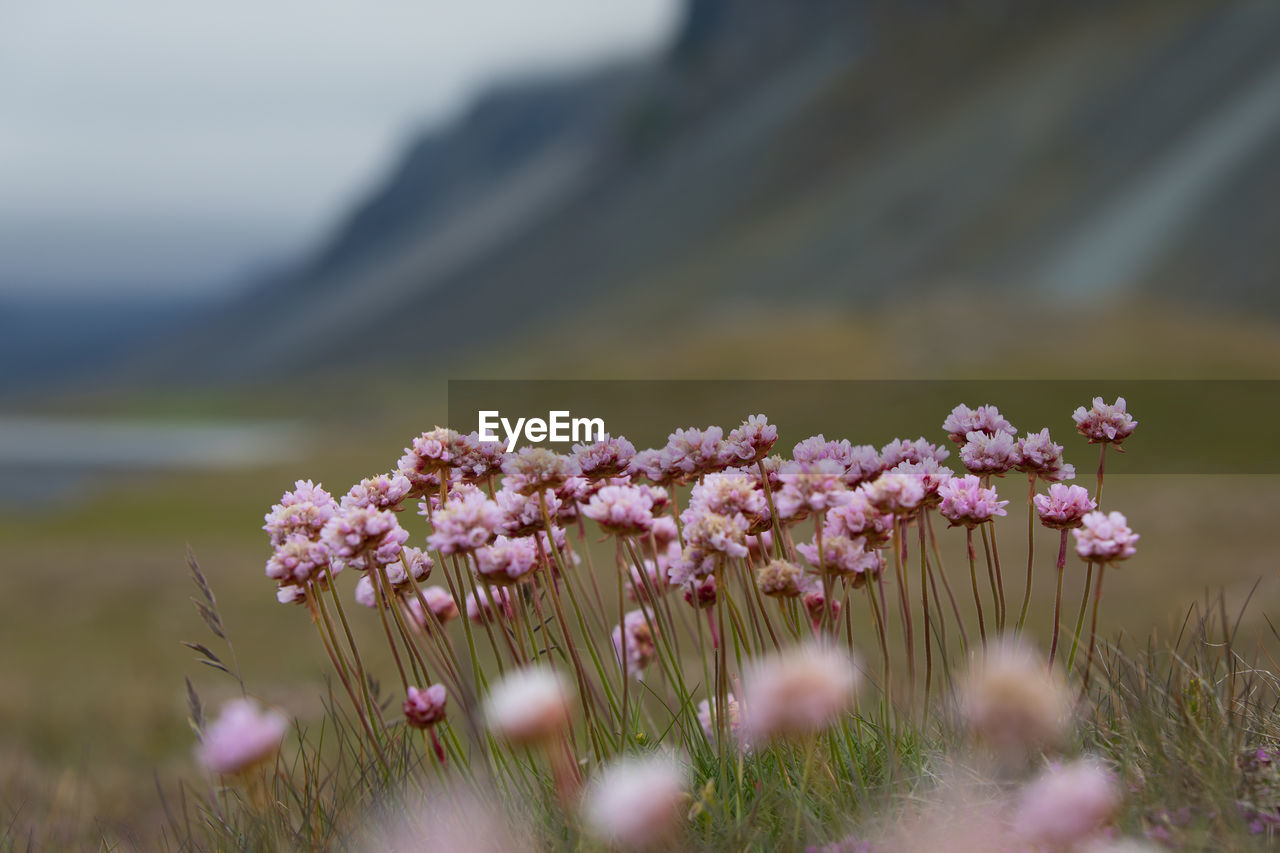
{"x":242,"y":736}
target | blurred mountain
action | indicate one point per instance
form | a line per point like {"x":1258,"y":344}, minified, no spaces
{"x":816,"y":152}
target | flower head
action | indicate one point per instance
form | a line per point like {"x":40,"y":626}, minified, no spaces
{"x":1105,"y":538}
{"x":436,"y":600}
{"x":816,"y":448}
{"x":298,"y":560}
{"x":385,"y":491}
{"x":365,"y":537}
{"x":608,"y":457}
{"x":1064,"y":506}
{"x":1066,"y":804}
{"x":730,"y":493}
{"x":427,"y":456}
{"x":1013,"y":703}
{"x":1105,"y":423}
{"x":966,"y":503}
{"x":1037,"y":454}
{"x":797,"y":692}
{"x":779,"y":579}
{"x":989,"y":454}
{"x":424,"y":708}
{"x":895,"y":493}
{"x":507,"y":561}
{"x":634,"y":637}
{"x":637,"y":803}
{"x":898,"y":451}
{"x":932,"y":475}
{"x":857,"y":517}
{"x":623,"y":510}
{"x":528,"y":706}
{"x":304,"y":511}
{"x":843,"y":556}
{"x":520,"y":514}
{"x":475,"y":459}
{"x":733,"y":714}
{"x":810,"y":487}
{"x":466,"y":522}
{"x":242,"y":736}
{"x":985,"y":419}
{"x":534,"y":469}
{"x":712,"y":533}
{"x":489,"y":604}
{"x":752,"y":441}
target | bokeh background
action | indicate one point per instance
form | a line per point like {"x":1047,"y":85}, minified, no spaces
{"x":243,"y":243}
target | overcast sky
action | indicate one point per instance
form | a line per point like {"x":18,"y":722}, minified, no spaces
{"x":145,"y":143}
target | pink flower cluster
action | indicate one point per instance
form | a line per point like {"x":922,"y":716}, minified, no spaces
{"x":507,"y":561}
{"x":365,"y":537}
{"x":984,"y":419}
{"x":624,"y":510}
{"x":1037,"y":454}
{"x":534,"y":469}
{"x":1105,"y":423}
{"x":966,"y":503}
{"x":1064,"y":506}
{"x":467,"y":522}
{"x":1105,"y":538}
{"x":424,"y":708}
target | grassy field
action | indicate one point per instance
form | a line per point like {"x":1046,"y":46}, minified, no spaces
{"x":93,"y":602}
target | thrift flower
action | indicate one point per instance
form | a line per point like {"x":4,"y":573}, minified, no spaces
{"x":779,"y":579}
{"x":895,"y":493}
{"x":751,"y":441}
{"x":984,"y":419}
{"x":1066,"y":805}
{"x":690,"y":452}
{"x":1105,"y":423}
{"x":304,"y":511}
{"x":506,"y":561}
{"x":242,"y":737}
{"x":1037,"y":454}
{"x":639,"y":645}
{"x":438,"y":601}
{"x":713,"y":533}
{"x":965,"y":503}
{"x":465,"y":524}
{"x":385,"y":491}
{"x":622,"y":510}
{"x":520,"y":515}
{"x":1064,"y":507}
{"x":989,"y":454}
{"x":898,"y":451}
{"x":534,"y":469}
{"x":1013,"y":703}
{"x":637,"y":803}
{"x":365,"y":537}
{"x":424,"y":708}
{"x":486,"y":605}
{"x":608,"y":457}
{"x":857,"y":518}
{"x":798,"y":692}
{"x":706,"y":719}
{"x":528,"y":706}
{"x":844,"y":557}
{"x":1105,"y":538}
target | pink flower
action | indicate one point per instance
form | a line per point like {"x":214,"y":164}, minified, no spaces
{"x":437,"y":600}
{"x":779,"y":579}
{"x":385,"y":491}
{"x":304,"y":511}
{"x":733,"y":713}
{"x":772,"y":469}
{"x":647,"y":584}
{"x":816,"y":448}
{"x":241,"y":737}
{"x":506,"y":561}
{"x":1103,"y":423}
{"x":931,"y":474}
{"x":1037,"y":454}
{"x":528,"y":706}
{"x":1064,"y":506}
{"x":810,"y":487}
{"x":965,"y":503}
{"x":701,"y":592}
{"x":428,"y":454}
{"x":298,"y":560}
{"x":648,"y":465}
{"x":730,"y":493}
{"x":895,"y":493}
{"x":985,"y":419}
{"x":364,"y":537}
{"x":291,"y":594}
{"x":520,"y":515}
{"x":637,"y":803}
{"x":534,"y":469}
{"x":640,"y":648}
{"x":467,"y":522}
{"x":716,"y":534}
{"x":898,"y":451}
{"x":623,"y":510}
{"x":797,"y":692}
{"x":752,"y":441}
{"x":424,"y":708}
{"x":1066,"y":805}
{"x":690,"y":452}
{"x":608,"y":457}
{"x":864,"y":466}
{"x":691,"y":564}
{"x":1105,"y":538}
{"x":989,"y":454}
{"x":842,"y":556}
{"x":815,"y":600}
{"x":481,"y":606}
{"x":476,"y":460}
{"x":859,"y":518}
